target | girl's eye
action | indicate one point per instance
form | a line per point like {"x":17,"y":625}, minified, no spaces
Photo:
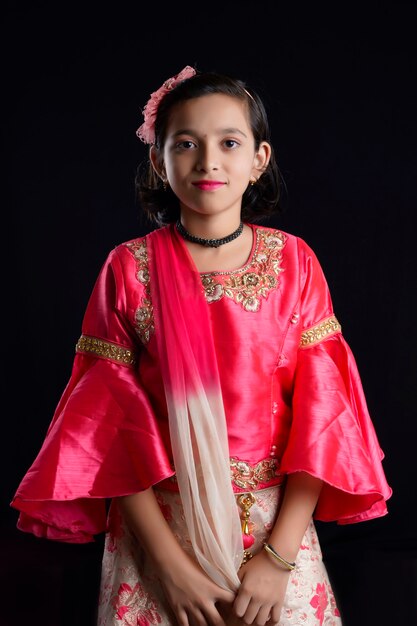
{"x":187,"y":144}
{"x":231,"y":143}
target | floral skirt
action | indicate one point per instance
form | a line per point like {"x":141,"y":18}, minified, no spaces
{"x":131,"y":595}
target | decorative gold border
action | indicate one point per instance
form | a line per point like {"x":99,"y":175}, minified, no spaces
{"x":248,"y":285}
{"x":144,"y":319}
{"x":105,"y":350}
{"x":319,"y":332}
{"x":247,"y":476}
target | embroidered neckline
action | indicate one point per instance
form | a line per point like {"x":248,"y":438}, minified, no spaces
{"x":254,"y":248}
{"x":248,"y":285}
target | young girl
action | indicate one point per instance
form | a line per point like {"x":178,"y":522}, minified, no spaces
{"x":213,"y":403}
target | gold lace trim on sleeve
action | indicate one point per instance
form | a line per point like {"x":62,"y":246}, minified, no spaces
{"x":105,"y":350}
{"x":319,"y":332}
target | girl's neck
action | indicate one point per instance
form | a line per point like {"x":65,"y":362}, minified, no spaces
{"x":228,"y":257}
{"x":210,"y":226}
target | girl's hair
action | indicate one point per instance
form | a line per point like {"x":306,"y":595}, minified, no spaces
{"x":259,"y":200}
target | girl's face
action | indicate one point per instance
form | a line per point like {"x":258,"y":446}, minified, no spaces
{"x":209,"y":155}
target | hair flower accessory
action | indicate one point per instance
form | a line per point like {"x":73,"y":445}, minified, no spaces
{"x":146,"y":132}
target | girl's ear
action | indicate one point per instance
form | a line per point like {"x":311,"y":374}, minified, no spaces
{"x":261,"y":160}
{"x":157,"y":162}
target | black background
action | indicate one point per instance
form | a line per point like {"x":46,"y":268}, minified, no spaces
{"x":339,"y":84}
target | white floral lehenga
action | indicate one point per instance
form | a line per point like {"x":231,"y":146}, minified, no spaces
{"x":131,"y":595}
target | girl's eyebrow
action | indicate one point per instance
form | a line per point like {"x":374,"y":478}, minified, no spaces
{"x":233,"y":131}
{"x":220,"y":131}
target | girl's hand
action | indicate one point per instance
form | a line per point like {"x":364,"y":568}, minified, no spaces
{"x":261,"y":595}
{"x":193,"y":596}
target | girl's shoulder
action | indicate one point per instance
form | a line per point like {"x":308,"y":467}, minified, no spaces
{"x":289,"y":240}
{"x":127,"y":256}
{"x":129,"y":243}
{"x":136,"y":246}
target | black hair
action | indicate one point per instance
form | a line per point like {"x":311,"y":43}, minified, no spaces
{"x":259,"y":201}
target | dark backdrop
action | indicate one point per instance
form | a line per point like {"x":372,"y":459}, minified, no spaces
{"x":339,"y":86}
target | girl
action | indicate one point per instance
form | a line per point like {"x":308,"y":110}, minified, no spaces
{"x":213,"y":401}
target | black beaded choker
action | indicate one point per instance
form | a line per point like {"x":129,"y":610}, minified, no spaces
{"x":212,"y":243}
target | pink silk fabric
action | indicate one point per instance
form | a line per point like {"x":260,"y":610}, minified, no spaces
{"x":301,"y":404}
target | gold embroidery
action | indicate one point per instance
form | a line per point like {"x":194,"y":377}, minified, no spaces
{"x":246,"y":286}
{"x":246,"y":476}
{"x":321,"y":331}
{"x":249,"y":284}
{"x":144,"y":322}
{"x":105,"y":350}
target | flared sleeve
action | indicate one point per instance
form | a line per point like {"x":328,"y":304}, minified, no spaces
{"x":332,"y":436}
{"x":104,"y":439}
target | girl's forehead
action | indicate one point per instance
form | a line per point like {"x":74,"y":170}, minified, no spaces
{"x":206,"y":110}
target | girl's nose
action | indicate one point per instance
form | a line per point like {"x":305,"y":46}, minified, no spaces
{"x":207,"y":159}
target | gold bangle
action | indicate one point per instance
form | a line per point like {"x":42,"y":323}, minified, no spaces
{"x":279,"y":558}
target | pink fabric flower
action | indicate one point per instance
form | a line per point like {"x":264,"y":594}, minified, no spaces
{"x":320,"y":601}
{"x":133,"y":607}
{"x":146,"y":132}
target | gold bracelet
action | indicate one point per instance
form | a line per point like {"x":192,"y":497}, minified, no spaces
{"x":279,"y":558}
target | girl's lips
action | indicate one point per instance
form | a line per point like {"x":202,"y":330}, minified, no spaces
{"x":208,"y":185}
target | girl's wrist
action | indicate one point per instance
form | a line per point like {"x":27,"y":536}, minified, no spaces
{"x":286,"y":546}
{"x":262,"y":559}
{"x":278,"y":558}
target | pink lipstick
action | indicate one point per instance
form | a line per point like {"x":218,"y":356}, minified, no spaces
{"x":208,"y":185}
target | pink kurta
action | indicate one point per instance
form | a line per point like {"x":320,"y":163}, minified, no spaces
{"x":291,"y":391}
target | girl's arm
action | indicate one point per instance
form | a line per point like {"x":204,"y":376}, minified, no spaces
{"x":190,"y":592}
{"x":264,"y":580}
